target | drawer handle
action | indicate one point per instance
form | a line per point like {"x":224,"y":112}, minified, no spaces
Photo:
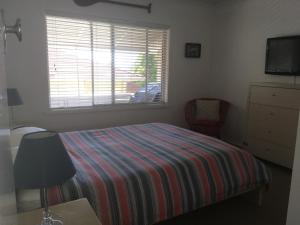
{"x":274,"y":95}
{"x":269,"y":132}
{"x":272,"y":114}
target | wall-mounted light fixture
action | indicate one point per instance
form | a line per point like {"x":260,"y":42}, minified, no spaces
{"x":5,"y":29}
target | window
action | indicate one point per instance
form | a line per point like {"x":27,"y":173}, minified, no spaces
{"x":93,"y":63}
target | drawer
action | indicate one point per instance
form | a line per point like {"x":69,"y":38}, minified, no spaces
{"x":272,"y":152}
{"x":282,"y":97}
{"x":282,"y":117}
{"x":275,"y":132}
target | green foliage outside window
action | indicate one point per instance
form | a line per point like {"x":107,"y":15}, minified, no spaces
{"x":140,"y":67}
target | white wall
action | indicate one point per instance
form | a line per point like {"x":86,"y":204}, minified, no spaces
{"x":239,"y":45}
{"x":233,"y":34}
{"x":190,"y":21}
{"x":293,"y":217}
{"x":7,"y":195}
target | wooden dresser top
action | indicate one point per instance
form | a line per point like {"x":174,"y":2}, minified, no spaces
{"x":276,"y":85}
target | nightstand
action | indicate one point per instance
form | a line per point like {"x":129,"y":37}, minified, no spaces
{"x":78,"y":212}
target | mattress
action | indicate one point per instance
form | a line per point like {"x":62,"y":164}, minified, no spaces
{"x":144,"y":174}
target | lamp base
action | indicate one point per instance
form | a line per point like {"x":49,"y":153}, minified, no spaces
{"x":48,"y":220}
{"x":47,"y":217}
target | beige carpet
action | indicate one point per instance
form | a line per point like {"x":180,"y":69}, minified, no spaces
{"x":238,"y":211}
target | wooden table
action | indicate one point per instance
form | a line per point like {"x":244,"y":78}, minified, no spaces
{"x":77,"y":212}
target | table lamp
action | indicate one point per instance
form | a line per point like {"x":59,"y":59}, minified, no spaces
{"x":42,"y":162}
{"x":13,"y":99}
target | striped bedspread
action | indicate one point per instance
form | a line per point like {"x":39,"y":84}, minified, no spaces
{"x":143,"y":174}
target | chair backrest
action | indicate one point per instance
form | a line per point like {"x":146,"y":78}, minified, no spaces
{"x":191,"y":110}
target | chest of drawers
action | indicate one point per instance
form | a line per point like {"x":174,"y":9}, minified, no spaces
{"x":273,"y":112}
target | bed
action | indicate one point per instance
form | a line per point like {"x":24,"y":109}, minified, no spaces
{"x":144,"y":174}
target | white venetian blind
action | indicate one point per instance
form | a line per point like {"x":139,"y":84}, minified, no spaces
{"x":93,"y":63}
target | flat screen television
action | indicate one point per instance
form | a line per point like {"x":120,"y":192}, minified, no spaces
{"x":283,"y":56}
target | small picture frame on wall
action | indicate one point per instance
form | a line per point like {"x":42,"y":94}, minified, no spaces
{"x":192,"y":50}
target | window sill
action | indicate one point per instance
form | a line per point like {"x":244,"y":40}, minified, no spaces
{"x":107,"y":108}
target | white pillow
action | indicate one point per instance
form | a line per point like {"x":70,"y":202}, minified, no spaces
{"x":28,"y":200}
{"x":208,"y":110}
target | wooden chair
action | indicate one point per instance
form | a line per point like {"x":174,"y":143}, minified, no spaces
{"x":206,"y":126}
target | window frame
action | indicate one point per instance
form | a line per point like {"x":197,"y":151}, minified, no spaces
{"x":113,"y":105}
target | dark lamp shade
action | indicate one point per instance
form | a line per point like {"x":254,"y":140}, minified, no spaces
{"x":42,"y":161}
{"x":13,"y":97}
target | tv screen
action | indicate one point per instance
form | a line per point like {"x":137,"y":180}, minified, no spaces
{"x":283,"y":56}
